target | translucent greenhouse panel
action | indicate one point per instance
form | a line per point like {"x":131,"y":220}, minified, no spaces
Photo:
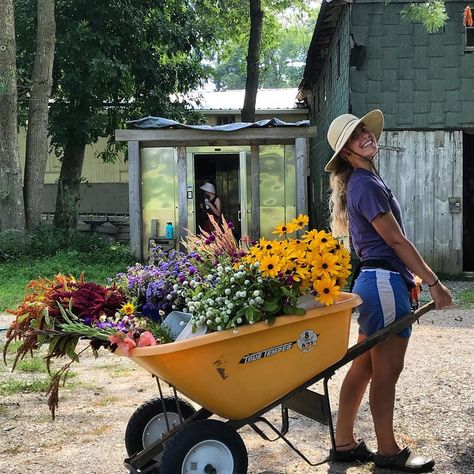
{"x":290,"y":183}
{"x":272,"y":188}
{"x":159,"y":190}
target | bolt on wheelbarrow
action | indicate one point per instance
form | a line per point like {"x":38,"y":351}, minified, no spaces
{"x":240,"y":376}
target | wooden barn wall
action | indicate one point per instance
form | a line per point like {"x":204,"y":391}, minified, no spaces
{"x":424,"y":169}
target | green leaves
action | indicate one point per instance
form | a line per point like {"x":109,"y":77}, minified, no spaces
{"x":431,"y":14}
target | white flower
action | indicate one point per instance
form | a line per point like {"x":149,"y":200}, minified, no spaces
{"x":256,"y":264}
{"x":246,"y":282}
{"x":168,"y":297}
{"x":241,"y":267}
{"x":256,"y":293}
{"x":208,"y":322}
{"x":227,"y":291}
{"x":161,"y":312}
{"x":175,"y":287}
{"x":239,"y":320}
{"x":251,"y":302}
{"x":232,"y":280}
{"x":219,"y":328}
{"x":259,"y":300}
{"x":217,"y":320}
{"x":228,"y":269}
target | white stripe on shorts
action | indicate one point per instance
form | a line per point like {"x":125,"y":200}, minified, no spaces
{"x":387,"y":298}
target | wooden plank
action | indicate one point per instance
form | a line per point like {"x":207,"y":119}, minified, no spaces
{"x":255,"y":186}
{"x":184,"y":135}
{"x":456,"y":257}
{"x":443,"y":188}
{"x":135,"y":199}
{"x":406,"y":181}
{"x":419,"y":147}
{"x":182,"y":197}
{"x":301,"y":152}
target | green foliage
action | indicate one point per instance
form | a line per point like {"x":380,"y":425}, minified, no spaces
{"x":286,"y":36}
{"x":121,"y":57}
{"x":51,"y":251}
{"x":431,"y":14}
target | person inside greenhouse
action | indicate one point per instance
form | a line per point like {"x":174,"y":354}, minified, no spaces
{"x":212,"y":206}
{"x":364,"y":211}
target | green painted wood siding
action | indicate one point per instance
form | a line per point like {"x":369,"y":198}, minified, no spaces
{"x":420,"y":80}
{"x":330,"y":98}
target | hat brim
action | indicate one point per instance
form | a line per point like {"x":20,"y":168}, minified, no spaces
{"x":372,"y":120}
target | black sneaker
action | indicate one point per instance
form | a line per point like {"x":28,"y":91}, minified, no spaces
{"x":360,"y":452}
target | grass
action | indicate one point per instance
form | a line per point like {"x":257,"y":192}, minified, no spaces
{"x":466,"y":298}
{"x":14,"y":385}
{"x":97,"y":265}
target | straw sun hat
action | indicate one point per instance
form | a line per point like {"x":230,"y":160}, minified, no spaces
{"x":342,"y":127}
{"x":209,"y":187}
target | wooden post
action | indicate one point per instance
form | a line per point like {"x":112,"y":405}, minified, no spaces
{"x":135,"y":199}
{"x":182,"y":197}
{"x":301,"y":153}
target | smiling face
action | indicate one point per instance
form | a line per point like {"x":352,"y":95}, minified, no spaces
{"x":361,"y":147}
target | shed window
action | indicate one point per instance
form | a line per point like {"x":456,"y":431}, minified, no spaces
{"x":469,"y":38}
{"x":225,"y":119}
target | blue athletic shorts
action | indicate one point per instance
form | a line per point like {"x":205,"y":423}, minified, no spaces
{"x":385,"y":298}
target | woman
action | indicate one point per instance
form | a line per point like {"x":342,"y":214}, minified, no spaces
{"x":212,"y":206}
{"x":363,"y":207}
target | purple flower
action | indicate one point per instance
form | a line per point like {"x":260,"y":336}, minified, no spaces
{"x":230,"y":224}
{"x":192,"y":270}
{"x":212,"y":237}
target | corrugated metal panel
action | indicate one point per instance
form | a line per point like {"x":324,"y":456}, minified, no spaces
{"x":424,"y":169}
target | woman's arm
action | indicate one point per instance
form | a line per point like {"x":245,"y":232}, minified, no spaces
{"x":216,"y":208}
{"x":387,"y":227}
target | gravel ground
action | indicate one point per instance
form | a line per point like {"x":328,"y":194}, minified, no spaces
{"x":434,"y":414}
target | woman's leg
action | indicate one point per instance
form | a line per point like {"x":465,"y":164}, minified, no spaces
{"x":350,"y":397}
{"x":387,"y":363}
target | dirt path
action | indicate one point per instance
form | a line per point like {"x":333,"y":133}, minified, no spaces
{"x":435,"y":413}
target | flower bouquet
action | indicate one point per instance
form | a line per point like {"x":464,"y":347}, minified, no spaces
{"x":221,"y":283}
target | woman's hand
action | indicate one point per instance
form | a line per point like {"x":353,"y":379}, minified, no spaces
{"x":441,"y":295}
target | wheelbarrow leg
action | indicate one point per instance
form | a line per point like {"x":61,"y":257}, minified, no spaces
{"x":328,"y":408}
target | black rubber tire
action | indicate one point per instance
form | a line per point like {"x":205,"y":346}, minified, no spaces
{"x":145,"y":413}
{"x":186,"y":439}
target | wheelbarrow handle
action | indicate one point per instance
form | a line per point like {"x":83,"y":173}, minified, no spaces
{"x":394,"y":328}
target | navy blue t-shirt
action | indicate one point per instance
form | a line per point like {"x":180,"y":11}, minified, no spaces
{"x":367,"y":197}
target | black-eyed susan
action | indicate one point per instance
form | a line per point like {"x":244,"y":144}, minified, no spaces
{"x":300,"y":222}
{"x":284,"y":229}
{"x":270,"y":266}
{"x":325,"y":265}
{"x":326,"y":290}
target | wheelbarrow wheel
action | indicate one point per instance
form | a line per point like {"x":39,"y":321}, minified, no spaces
{"x":207,"y":446}
{"x":148,"y":423}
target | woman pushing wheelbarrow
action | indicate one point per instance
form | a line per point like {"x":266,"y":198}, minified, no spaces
{"x":364,"y":208}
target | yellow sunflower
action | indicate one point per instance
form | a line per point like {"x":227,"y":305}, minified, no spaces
{"x":284,"y":229}
{"x":128,"y":309}
{"x":326,"y":290}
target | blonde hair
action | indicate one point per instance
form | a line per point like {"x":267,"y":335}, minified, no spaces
{"x":339,"y":221}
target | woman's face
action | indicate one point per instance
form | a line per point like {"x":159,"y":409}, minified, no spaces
{"x":362,"y":143}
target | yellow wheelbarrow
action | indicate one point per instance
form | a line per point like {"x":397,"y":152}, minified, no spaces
{"x":239,"y":376}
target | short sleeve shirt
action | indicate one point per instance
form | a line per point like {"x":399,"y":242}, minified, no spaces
{"x":367,"y":197}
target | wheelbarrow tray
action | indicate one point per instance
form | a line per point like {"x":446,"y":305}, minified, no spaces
{"x":235,"y":373}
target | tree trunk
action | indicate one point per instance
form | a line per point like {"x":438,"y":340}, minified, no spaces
{"x":12,"y":214}
{"x":253,"y":58}
{"x":67,"y":199}
{"x":37,"y":134}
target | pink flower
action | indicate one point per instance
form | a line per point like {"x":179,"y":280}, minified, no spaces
{"x":146,"y":339}
{"x":124,"y":343}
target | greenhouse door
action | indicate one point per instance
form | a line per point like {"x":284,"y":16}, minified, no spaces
{"x":223,"y":170}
